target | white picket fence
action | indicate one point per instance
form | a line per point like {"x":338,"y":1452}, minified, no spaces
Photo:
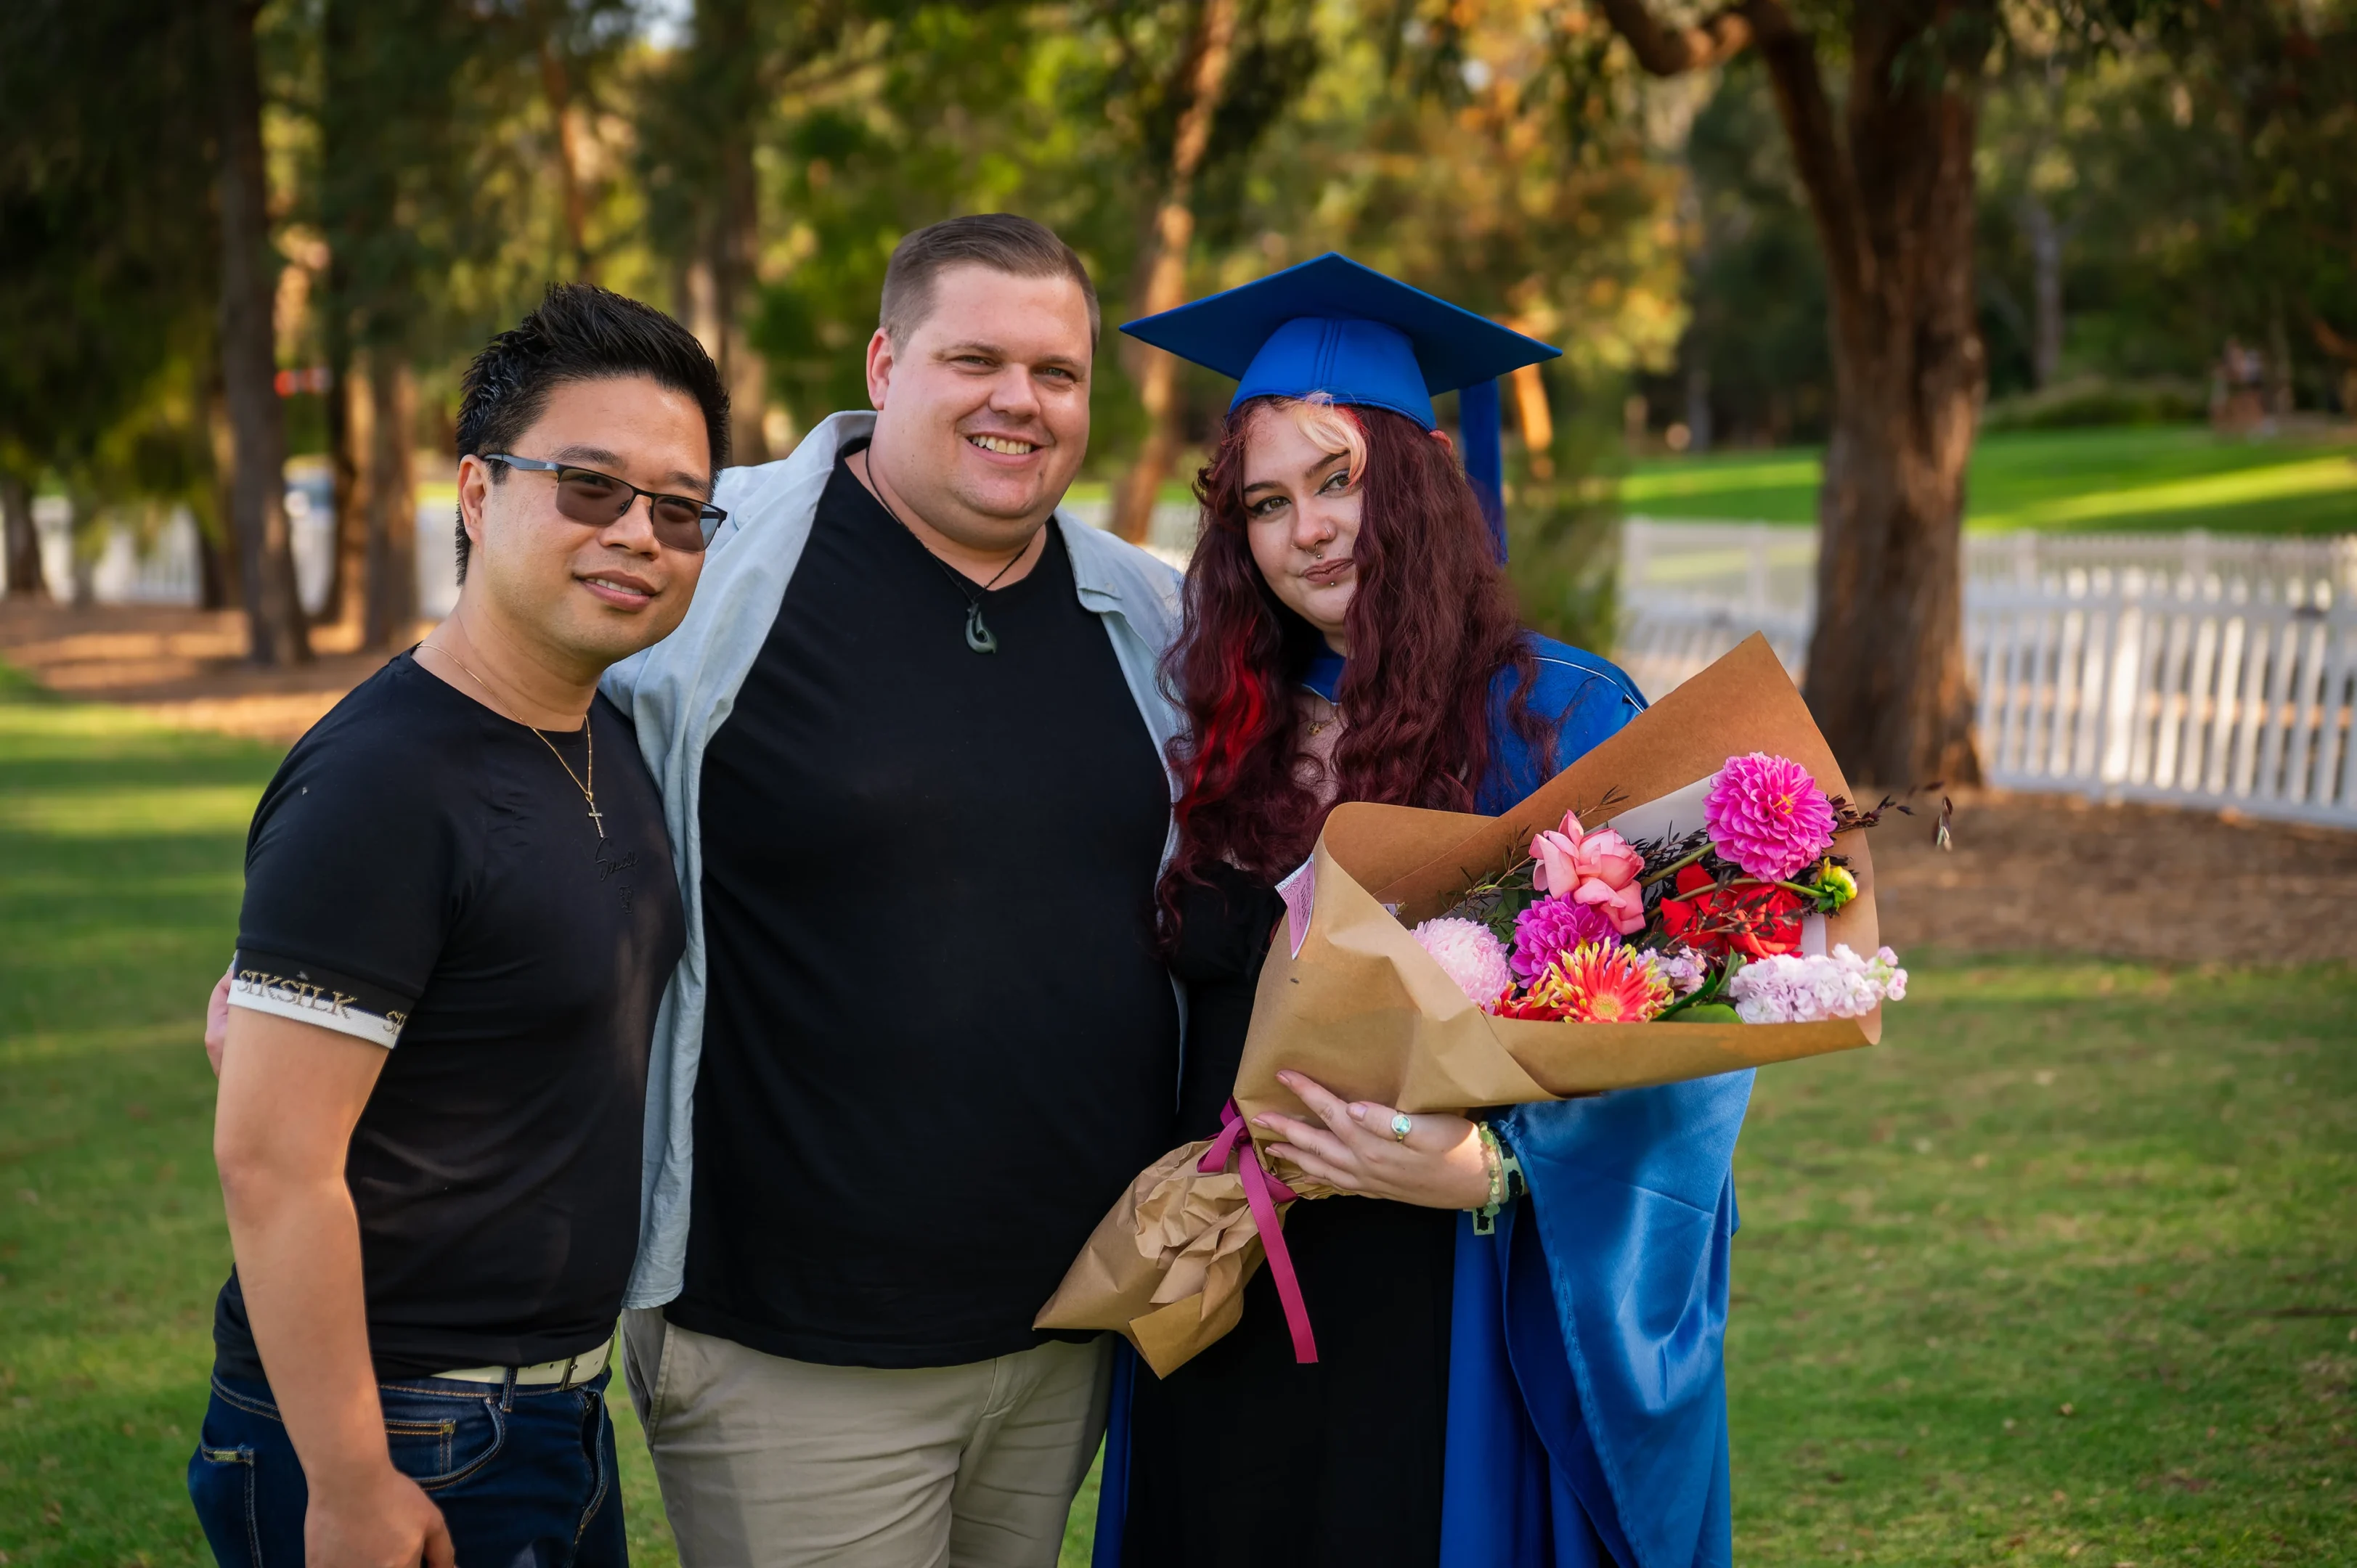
{"x":2204,"y":670}
{"x":2126,"y":686}
{"x":167,"y":569}
{"x":1662,"y":643}
{"x":2192,"y":669}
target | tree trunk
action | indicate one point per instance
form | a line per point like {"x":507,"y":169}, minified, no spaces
{"x":2279,"y":397}
{"x":391,"y":503}
{"x":273,"y":612}
{"x":348,"y":444}
{"x":725,"y":35}
{"x":556,"y":85}
{"x":221,"y":553}
{"x":351,"y":430}
{"x":1887,"y":680}
{"x":1164,"y":267}
{"x":216,"y":585}
{"x":1701,"y":430}
{"x":24,"y":540}
{"x":1892,"y":203}
{"x":1537,"y":421}
{"x":82,"y":559}
{"x":693,"y":290}
{"x":2045,"y":237}
{"x":737,"y":243}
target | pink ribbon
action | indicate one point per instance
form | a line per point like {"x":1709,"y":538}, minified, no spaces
{"x":1234,"y":1148}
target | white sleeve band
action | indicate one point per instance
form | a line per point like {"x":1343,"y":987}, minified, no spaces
{"x":319,"y":1006}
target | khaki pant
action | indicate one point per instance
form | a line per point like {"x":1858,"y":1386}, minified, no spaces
{"x":767,"y":1463}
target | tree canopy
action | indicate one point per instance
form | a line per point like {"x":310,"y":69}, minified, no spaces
{"x":2144,"y":179}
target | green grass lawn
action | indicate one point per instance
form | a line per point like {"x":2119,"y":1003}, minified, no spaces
{"x":2146,"y":477}
{"x":2063,"y":1273}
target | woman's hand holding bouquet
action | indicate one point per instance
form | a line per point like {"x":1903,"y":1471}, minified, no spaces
{"x":1353,"y":1147}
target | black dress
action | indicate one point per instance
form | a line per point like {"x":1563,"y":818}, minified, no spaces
{"x":1242,"y":1456}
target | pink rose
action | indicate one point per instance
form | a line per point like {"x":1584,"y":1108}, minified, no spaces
{"x":1624,"y":907}
{"x":1596,"y":868}
{"x":1557,"y":853}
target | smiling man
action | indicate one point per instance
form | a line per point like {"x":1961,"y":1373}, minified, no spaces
{"x":911,"y":747}
{"x":459,"y":917}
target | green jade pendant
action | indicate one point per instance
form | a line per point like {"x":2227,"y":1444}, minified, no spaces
{"x":978,"y":636}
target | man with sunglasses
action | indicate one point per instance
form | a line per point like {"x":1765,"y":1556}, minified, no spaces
{"x":460,"y":914}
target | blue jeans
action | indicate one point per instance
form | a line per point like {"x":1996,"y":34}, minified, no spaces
{"x":525,"y":1476}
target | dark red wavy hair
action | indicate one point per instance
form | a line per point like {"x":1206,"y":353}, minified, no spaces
{"x":1430,"y":627}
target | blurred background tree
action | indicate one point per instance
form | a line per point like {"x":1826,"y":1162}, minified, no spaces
{"x":109,"y":266}
{"x":2122,"y":187}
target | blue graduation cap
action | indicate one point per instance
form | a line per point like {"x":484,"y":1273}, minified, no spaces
{"x":1334,"y":327}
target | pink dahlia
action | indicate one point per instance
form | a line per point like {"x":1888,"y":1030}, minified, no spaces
{"x":1555,"y":926}
{"x":1469,"y":954}
{"x":1766,"y":814}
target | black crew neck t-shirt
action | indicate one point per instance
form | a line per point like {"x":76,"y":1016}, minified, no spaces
{"x":938,"y":1042}
{"x":423,"y":875}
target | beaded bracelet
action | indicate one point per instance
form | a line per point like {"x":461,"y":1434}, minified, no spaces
{"x":1506,"y":1182}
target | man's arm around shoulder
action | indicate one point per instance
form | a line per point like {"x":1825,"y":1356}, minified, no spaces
{"x":290,"y":1095}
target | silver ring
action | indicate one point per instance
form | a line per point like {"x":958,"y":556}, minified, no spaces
{"x":1402,"y":1125}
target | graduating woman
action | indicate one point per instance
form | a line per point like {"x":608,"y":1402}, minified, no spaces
{"x":1538,"y":1382}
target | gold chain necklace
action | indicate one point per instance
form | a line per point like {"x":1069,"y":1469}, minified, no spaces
{"x":588,"y":733}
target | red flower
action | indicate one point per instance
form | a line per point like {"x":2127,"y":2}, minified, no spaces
{"x":1543,"y":1009}
{"x":1755,"y":918}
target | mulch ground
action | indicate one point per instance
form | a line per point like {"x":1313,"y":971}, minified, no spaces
{"x":2056,"y":873}
{"x":2029,"y":873}
{"x":186,"y":668}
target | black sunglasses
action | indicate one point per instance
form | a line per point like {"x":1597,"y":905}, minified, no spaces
{"x":584,"y":495}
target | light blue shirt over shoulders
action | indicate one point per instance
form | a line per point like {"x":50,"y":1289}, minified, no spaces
{"x":680,"y":691}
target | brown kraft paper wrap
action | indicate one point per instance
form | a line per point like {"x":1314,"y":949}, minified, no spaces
{"x":1363,"y":1010}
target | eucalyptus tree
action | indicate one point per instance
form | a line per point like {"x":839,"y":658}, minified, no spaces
{"x":1194,"y":87}
{"x":1880,"y":104}
{"x":707,"y":112}
{"x":109,"y":274}
{"x":248,"y":344}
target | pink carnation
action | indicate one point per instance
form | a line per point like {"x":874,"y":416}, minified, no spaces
{"x":1554,"y":927}
{"x":1766,"y":814}
{"x":1469,"y":954}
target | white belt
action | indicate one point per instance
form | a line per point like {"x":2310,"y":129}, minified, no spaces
{"x":564,"y":1372}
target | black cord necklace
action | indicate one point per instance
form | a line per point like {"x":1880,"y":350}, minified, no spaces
{"x":978,"y":636}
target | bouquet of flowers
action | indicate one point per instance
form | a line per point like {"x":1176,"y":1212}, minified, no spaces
{"x":1712,"y":920}
{"x":1712,"y":925}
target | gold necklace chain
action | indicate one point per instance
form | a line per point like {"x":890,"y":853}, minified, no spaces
{"x":588,"y":733}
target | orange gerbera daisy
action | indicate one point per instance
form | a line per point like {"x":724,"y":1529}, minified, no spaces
{"x":1598,"y":985}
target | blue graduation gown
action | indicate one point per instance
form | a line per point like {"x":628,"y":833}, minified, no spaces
{"x":1587,"y":1394}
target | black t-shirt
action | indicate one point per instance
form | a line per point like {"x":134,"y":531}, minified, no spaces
{"x":422,"y":875}
{"x":938,"y":1041}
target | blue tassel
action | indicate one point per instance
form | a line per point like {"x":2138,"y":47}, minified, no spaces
{"x":1485,"y":458}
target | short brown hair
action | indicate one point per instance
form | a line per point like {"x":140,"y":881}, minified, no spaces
{"x":999,"y":240}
